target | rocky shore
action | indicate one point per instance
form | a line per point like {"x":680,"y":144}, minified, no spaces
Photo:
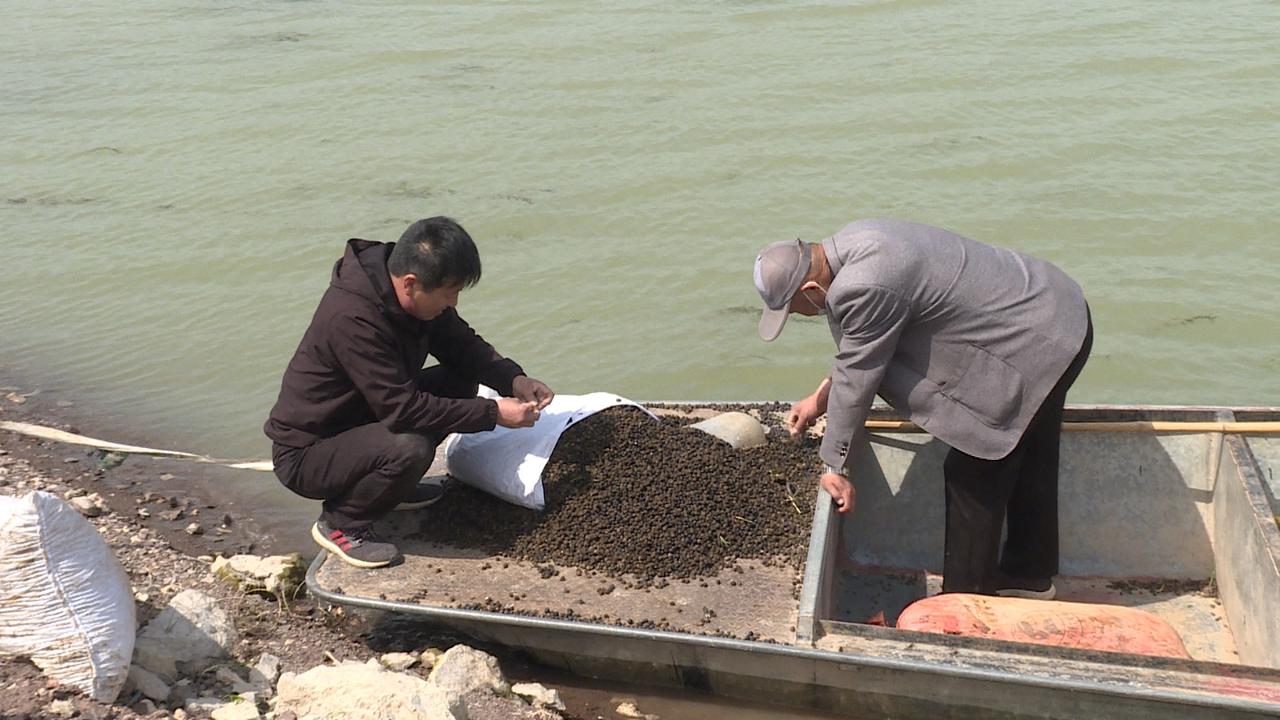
{"x":276,"y":653}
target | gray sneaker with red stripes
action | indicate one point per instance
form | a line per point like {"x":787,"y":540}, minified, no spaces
{"x":361,"y":547}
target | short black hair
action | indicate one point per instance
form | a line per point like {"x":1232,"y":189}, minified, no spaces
{"x":438,"y":251}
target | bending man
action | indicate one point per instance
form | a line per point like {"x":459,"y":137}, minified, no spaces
{"x":978,"y":345}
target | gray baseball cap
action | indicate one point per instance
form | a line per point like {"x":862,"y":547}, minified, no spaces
{"x":780,"y":270}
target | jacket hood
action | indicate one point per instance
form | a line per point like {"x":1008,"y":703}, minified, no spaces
{"x":363,"y":271}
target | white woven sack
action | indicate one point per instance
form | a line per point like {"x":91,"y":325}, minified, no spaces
{"x":508,"y":462}
{"x":65,"y":601}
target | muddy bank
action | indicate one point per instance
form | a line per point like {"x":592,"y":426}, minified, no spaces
{"x":166,"y":496}
{"x":153,"y":534}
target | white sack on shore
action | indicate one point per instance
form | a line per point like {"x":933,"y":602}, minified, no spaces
{"x":65,"y":601}
{"x":508,"y":462}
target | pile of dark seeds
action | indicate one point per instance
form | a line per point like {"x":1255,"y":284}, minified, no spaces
{"x":650,"y":499}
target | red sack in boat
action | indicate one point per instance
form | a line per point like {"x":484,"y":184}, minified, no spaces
{"x":1085,"y":626}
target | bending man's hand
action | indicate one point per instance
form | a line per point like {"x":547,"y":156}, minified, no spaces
{"x":516,"y":413}
{"x":841,"y":491}
{"x":804,"y":413}
{"x":529,"y":390}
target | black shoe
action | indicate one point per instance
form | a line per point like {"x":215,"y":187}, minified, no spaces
{"x":360,"y":547}
{"x":1034,"y":588}
{"x":423,"y":494}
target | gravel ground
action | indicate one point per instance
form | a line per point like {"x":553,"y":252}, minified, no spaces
{"x":299,"y":633}
{"x":144,"y":528}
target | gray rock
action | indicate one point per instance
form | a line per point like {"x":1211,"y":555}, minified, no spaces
{"x":398,"y":661}
{"x":629,"y":710}
{"x":279,"y":575}
{"x":86,"y":506}
{"x":147,"y":683}
{"x":463,"y":669}
{"x":181,"y":692}
{"x":430,"y":657}
{"x":539,"y":694}
{"x":354,"y":691}
{"x":203,"y":705}
{"x":186,"y":637}
{"x":265,"y":672}
{"x":111,"y":460}
{"x":54,"y":488}
{"x":232,"y":679}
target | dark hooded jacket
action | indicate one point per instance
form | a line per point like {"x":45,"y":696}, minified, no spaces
{"x":358,"y":362}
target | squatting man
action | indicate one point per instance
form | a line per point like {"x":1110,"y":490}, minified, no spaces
{"x":978,"y":345}
{"x":358,"y":418}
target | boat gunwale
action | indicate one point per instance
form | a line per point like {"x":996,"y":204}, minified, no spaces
{"x":1116,"y":686}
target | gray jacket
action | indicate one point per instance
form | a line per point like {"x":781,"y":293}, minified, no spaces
{"x":965,"y":338}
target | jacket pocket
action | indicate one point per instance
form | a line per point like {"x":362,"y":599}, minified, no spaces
{"x":988,"y":387}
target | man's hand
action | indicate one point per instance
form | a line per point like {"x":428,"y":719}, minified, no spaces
{"x":529,"y":390}
{"x":840,"y":489}
{"x":804,"y":413}
{"x":516,"y":413}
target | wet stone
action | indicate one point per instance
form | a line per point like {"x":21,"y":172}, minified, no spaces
{"x":630,"y":495}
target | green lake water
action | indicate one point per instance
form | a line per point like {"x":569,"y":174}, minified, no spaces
{"x":179,"y":178}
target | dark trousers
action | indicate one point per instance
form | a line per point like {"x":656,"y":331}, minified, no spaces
{"x":361,"y":474}
{"x":1021,"y":487}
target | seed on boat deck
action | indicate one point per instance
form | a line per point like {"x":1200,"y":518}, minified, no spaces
{"x":630,"y":496}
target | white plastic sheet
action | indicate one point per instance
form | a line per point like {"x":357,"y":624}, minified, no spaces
{"x":65,"y":601}
{"x":508,"y":462}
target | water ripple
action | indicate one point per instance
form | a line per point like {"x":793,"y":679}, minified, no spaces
{"x":177,"y":190}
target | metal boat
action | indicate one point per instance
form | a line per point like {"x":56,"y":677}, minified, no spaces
{"x":1171,"y":510}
